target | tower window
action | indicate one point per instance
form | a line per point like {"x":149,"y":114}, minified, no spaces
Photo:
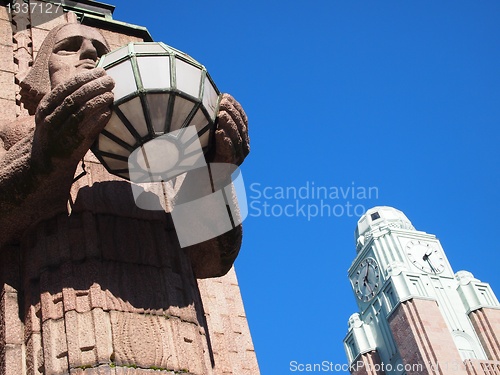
{"x":375,"y":216}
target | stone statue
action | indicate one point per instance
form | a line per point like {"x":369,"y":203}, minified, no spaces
{"x":108,"y":262}
{"x":70,"y":100}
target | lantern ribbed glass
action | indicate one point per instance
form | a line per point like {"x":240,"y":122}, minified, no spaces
{"x":159,"y":91}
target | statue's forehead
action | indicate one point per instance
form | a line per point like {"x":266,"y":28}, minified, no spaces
{"x":72,"y":30}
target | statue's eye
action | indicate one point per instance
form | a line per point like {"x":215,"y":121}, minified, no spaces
{"x":100,"y":48}
{"x":68,"y":46}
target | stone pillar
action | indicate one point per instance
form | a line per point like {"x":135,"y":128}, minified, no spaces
{"x":8,"y":69}
{"x":480,"y":367}
{"x":486,"y":322}
{"x":11,"y":326}
{"x":367,"y":364}
{"x":230,"y":339}
{"x":423,"y":338}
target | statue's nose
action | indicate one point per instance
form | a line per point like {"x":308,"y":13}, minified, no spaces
{"x":88,"y":50}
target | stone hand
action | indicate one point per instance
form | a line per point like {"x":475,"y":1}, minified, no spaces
{"x":71,"y":116}
{"x":232,"y":143}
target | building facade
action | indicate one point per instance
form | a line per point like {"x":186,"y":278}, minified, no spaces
{"x":416,"y":315}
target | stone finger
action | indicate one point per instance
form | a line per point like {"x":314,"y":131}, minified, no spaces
{"x":230,"y":127}
{"x":73,"y":103}
{"x":236,"y":130}
{"x":232,"y":137}
{"x":90,"y":114}
{"x":100,"y":121}
{"x":232,"y":101}
{"x":81,"y":128}
{"x":224,"y":150}
{"x":49,"y":103}
{"x":230,"y":105}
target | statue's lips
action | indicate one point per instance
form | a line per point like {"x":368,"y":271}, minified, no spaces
{"x":86,"y":64}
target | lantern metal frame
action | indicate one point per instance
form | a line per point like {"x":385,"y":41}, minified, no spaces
{"x":205,"y":132}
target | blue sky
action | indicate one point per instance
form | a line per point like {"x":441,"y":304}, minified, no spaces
{"x":402,"y":96}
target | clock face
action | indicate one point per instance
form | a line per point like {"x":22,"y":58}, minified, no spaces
{"x":425,"y":256}
{"x":367,"y":280}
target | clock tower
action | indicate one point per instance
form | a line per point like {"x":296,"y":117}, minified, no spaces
{"x":416,"y":316}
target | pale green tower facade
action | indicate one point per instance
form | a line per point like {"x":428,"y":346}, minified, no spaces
{"x":413,"y":308}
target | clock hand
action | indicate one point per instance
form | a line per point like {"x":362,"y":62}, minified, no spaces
{"x":368,"y":286}
{"x":366,"y":274}
{"x":427,"y":259}
{"x":432,"y":267}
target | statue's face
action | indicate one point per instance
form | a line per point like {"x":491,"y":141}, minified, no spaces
{"x":76,"y":48}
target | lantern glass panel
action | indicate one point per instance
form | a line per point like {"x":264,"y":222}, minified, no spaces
{"x":116,"y":55}
{"x":157,"y":156}
{"x":199,"y":120}
{"x":205,"y":138}
{"x":124,"y":79}
{"x":188,"y":78}
{"x":210,"y":98}
{"x":158,"y":106}
{"x":108,"y":145}
{"x":116,"y":127}
{"x":124,"y":175}
{"x":133,"y":111}
{"x":155,"y":71}
{"x":115,"y":164}
{"x":192,"y":153}
{"x":182,"y":108}
{"x":148,"y":48}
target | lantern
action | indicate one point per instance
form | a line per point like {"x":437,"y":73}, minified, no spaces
{"x":164,"y":113}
